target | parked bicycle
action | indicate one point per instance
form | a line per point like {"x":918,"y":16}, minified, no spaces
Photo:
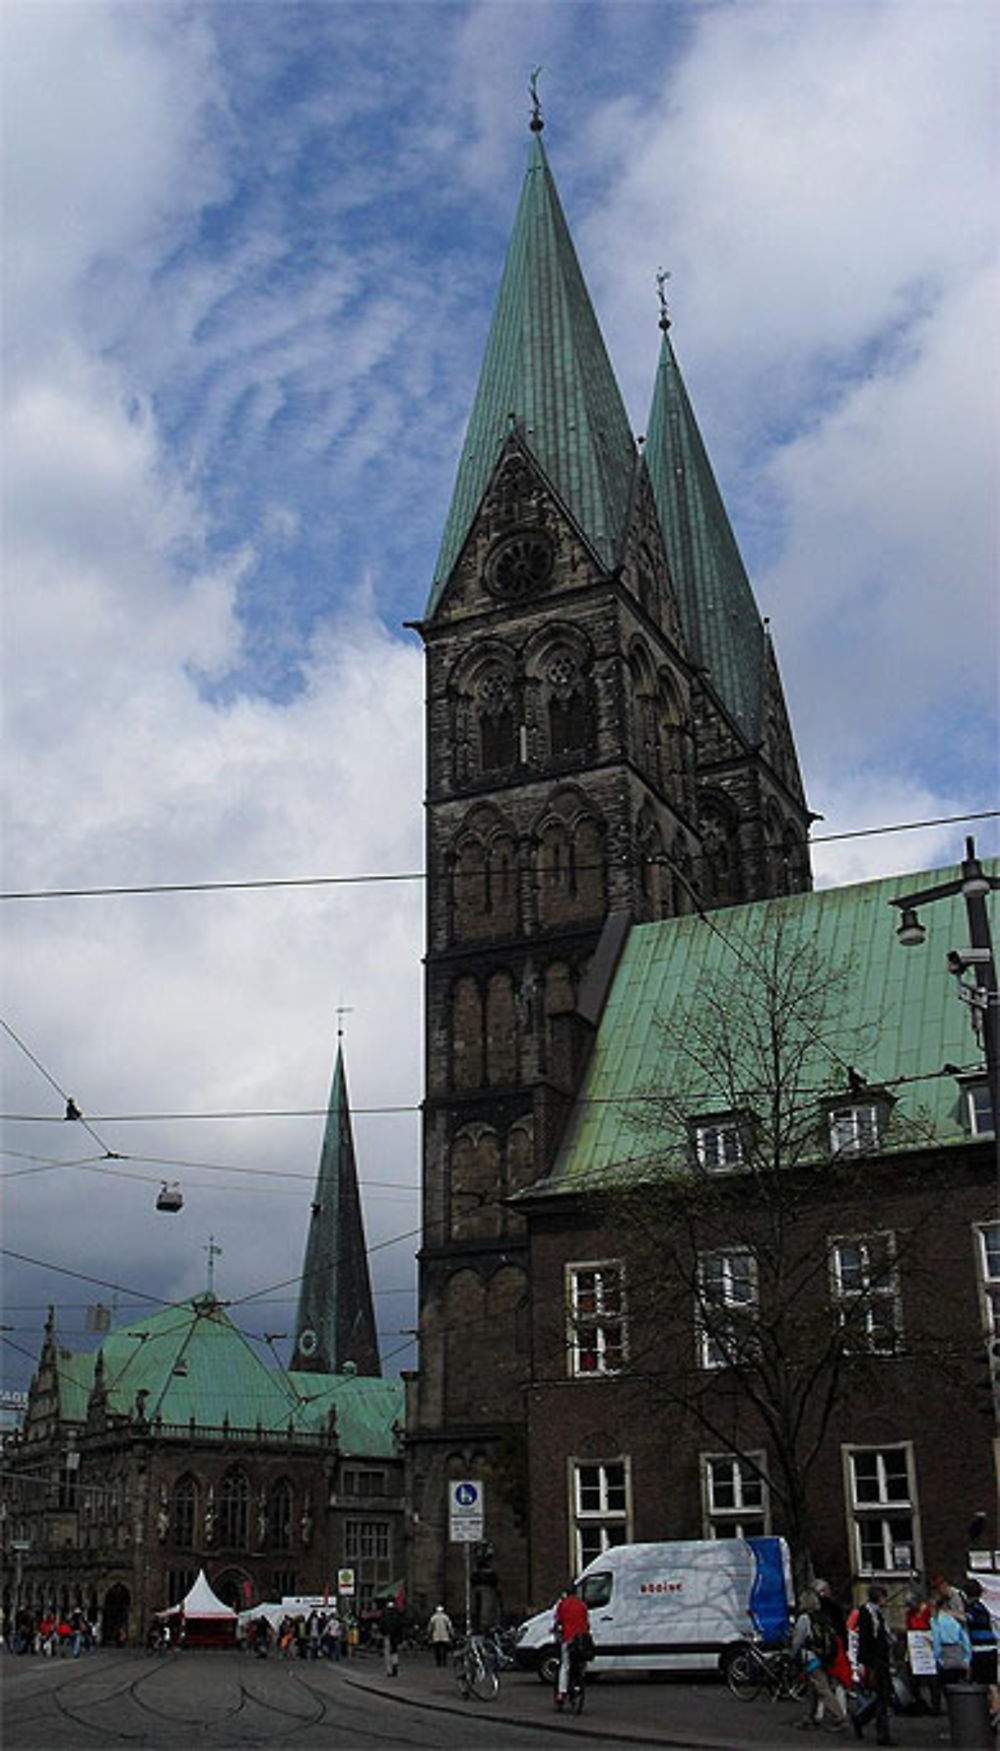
{"x":476,"y":1666}
{"x":750,"y":1669}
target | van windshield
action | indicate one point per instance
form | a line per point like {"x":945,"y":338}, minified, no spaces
{"x":596,"y":1589}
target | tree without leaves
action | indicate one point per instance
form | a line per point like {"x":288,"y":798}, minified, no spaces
{"x":731,"y":1316}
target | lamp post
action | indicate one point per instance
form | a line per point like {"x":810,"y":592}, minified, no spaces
{"x":973,"y":884}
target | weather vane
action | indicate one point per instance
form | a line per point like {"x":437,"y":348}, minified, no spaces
{"x":661,"y":291}
{"x":213,"y":1252}
{"x":537,"y":121}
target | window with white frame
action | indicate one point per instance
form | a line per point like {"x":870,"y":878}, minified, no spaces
{"x":865,"y":1287}
{"x":988,"y":1236}
{"x":596,"y":1297}
{"x":978,"y":1106}
{"x":882,"y":1510}
{"x":600,"y":1507}
{"x":735,"y":1495}
{"x":855,"y":1127}
{"x":718,"y":1144}
{"x":727,"y":1296}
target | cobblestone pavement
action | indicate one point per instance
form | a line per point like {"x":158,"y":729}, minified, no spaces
{"x":228,"y":1701}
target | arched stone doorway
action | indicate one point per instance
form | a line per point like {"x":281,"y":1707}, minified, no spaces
{"x":115,"y":1615}
{"x":232,"y":1588}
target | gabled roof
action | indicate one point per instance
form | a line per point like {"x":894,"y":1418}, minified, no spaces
{"x":892,"y":1014}
{"x":721,"y":622}
{"x":191,"y":1361}
{"x":335,"y":1324}
{"x":546,"y":373}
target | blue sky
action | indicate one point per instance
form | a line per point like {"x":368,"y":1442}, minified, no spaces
{"x":251,"y":252}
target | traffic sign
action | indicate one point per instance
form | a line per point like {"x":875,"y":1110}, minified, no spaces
{"x":345,"y":1583}
{"x":466,"y":1505}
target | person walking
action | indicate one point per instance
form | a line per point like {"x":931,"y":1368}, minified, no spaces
{"x":952,"y":1648}
{"x":875,"y":1664}
{"x":391,"y":1629}
{"x":816,"y":1645}
{"x":442,"y":1634}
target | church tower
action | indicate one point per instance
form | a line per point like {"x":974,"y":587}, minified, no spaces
{"x":569,"y":708}
{"x":335,"y":1324}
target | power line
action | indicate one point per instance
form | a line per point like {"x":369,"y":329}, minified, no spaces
{"x":418,"y":875}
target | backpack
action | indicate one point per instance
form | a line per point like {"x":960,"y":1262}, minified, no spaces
{"x":824,"y":1641}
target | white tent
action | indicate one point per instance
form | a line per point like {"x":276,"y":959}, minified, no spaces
{"x":201,"y":1602}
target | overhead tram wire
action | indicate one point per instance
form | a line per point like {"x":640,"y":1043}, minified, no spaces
{"x":616,"y":1100}
{"x":382,"y":876}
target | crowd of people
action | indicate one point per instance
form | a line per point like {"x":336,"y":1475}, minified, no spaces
{"x":850,"y":1659}
{"x":48,"y":1633}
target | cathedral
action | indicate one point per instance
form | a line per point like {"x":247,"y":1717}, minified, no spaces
{"x":612,"y":787}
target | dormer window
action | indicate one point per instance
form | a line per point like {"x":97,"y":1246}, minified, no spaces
{"x":857,"y":1125}
{"x":977,"y":1109}
{"x":718,"y":1141}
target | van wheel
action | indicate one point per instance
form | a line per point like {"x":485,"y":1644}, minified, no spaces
{"x":548,"y":1667}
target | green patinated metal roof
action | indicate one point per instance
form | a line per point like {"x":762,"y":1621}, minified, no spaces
{"x":335,"y":1323}
{"x":546,"y":371}
{"x":366,"y":1410}
{"x":719,"y":615}
{"x":191,"y":1361}
{"x":890,"y":1012}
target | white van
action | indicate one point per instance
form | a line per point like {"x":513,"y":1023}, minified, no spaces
{"x":673,"y":1607}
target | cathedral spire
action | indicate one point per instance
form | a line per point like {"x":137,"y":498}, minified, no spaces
{"x":335,"y":1323}
{"x":546,"y":376}
{"x":719,"y":615}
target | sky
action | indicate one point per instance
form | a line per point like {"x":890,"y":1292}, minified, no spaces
{"x":250,"y":256}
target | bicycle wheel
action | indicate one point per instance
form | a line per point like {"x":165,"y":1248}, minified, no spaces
{"x":743,"y":1674}
{"x":483,"y":1677}
{"x":462,"y":1672}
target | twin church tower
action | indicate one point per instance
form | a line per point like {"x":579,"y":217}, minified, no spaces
{"x":607,"y":741}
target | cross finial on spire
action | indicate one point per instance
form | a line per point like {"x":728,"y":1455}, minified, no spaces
{"x":663,"y":275}
{"x":342,"y":1010}
{"x":537,"y":122}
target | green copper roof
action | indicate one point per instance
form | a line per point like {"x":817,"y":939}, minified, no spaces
{"x":75,"y":1376}
{"x":889,"y":1012}
{"x":335,"y":1323}
{"x":717,"y":607}
{"x":546,"y":371}
{"x":191,"y":1360}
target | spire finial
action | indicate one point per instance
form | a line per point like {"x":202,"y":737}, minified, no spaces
{"x":214,"y":1251}
{"x":342,"y":1010}
{"x":537,"y":122}
{"x":662,"y":276}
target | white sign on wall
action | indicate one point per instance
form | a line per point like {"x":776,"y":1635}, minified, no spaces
{"x":465,"y":1511}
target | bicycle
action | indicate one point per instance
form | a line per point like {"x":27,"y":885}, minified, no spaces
{"x":749,"y":1669}
{"x":475,"y":1665}
{"x":576,"y":1680}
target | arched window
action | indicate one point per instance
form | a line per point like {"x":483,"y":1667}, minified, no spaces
{"x":721,"y":883}
{"x":501,"y":1031}
{"x":475,"y":1184}
{"x":466,"y":1034}
{"x":279,"y":1516}
{"x":497,"y":751}
{"x":569,"y":731}
{"x":185,"y":1512}
{"x":234,"y":1500}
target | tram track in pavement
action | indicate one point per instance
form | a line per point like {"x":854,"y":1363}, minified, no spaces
{"x":90,"y":1712}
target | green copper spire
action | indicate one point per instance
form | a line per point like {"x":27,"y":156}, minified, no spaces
{"x":336,"y":1321}
{"x":718,"y":612}
{"x":547,"y":376}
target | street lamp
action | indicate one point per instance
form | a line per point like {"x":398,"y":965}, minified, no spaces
{"x":973,"y":884}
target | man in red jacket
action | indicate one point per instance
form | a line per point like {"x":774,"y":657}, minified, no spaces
{"x":572,"y":1619}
